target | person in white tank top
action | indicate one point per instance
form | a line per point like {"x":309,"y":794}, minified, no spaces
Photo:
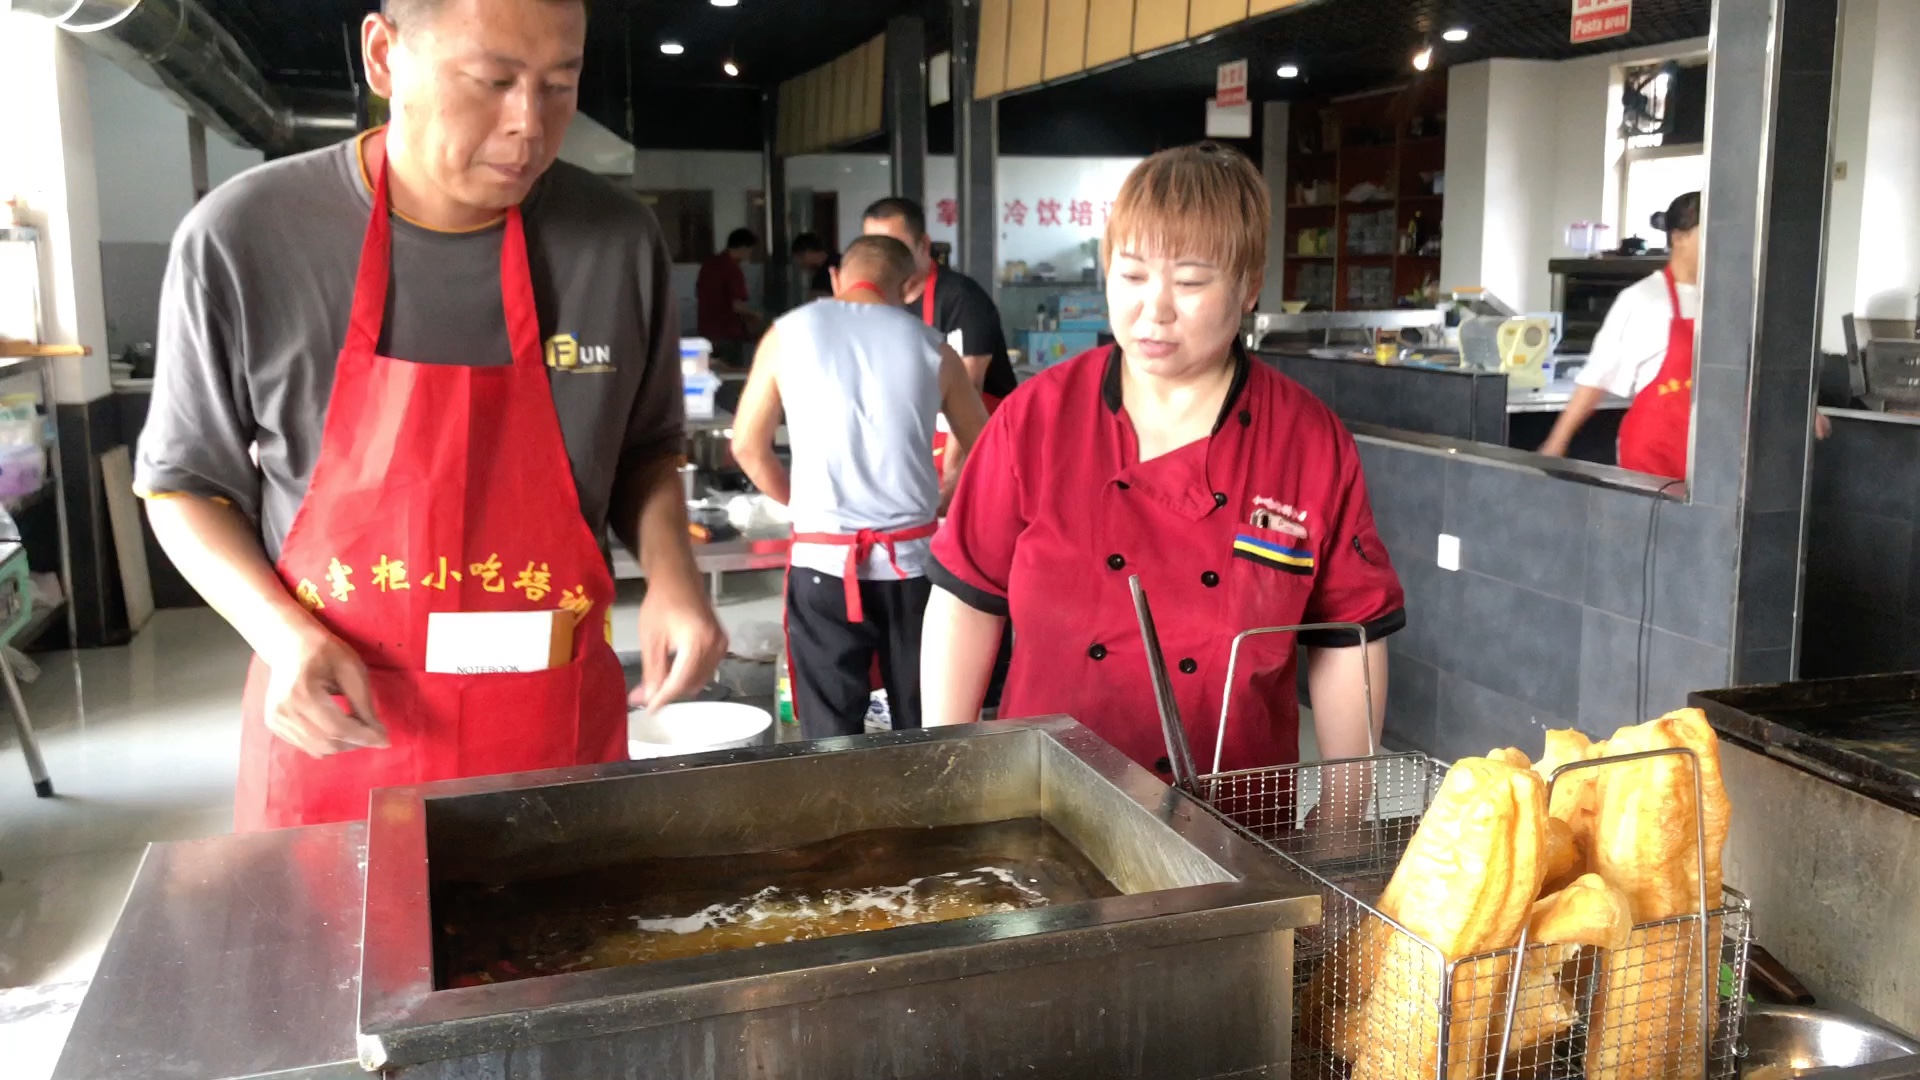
{"x":861,"y":383}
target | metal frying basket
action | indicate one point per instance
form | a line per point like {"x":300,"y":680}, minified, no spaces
{"x":1664,"y":1007}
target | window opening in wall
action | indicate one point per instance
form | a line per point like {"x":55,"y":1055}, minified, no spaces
{"x":1662,"y":135}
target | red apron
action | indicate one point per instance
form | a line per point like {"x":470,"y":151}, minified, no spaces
{"x":438,"y":487}
{"x":1653,"y":434}
{"x":927,"y":316}
{"x":859,"y":545}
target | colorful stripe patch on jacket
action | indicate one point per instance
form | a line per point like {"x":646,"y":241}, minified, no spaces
{"x":1291,"y":559}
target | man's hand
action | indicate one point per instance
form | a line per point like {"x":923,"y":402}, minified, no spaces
{"x":301,"y":687}
{"x":681,"y":644}
{"x":1822,"y":427}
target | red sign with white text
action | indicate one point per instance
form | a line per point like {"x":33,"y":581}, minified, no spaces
{"x":1594,"y":20}
{"x":1230,"y":84}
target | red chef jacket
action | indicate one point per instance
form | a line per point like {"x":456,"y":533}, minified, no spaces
{"x":1264,"y":523}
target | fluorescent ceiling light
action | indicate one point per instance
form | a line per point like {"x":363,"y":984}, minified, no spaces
{"x":672,"y":48}
{"x":1456,"y":34}
{"x":1289,"y":71}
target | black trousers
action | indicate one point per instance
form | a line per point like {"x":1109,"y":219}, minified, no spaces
{"x":832,"y":658}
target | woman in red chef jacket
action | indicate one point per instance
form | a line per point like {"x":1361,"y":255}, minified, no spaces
{"x":1234,"y":494}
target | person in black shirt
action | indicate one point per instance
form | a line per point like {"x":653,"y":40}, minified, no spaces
{"x":947,"y":300}
{"x":817,"y":263}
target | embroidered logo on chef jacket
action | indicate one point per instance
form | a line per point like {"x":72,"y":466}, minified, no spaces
{"x":1293,"y":559}
{"x":1278,"y":516}
{"x":565,"y":353}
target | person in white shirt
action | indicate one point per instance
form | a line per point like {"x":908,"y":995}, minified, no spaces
{"x":1644,"y":351}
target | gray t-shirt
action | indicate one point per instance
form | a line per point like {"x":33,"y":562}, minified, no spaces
{"x":258,"y":291}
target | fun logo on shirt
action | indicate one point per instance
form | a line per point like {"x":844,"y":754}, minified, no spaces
{"x":565,"y":353}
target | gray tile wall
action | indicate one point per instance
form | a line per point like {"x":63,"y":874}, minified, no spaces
{"x":1862,"y":610}
{"x":1458,"y":406}
{"x":1541,"y":626}
{"x":1785,"y":360}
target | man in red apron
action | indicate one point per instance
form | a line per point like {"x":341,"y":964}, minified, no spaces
{"x":448,"y":460}
{"x":860,"y":382}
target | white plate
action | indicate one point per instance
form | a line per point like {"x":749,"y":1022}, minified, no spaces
{"x":689,"y":727}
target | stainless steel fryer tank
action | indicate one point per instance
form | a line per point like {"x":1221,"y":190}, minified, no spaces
{"x":1187,"y":974}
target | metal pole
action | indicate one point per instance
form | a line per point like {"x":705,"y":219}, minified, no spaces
{"x":907,"y":105}
{"x":773,"y":190}
{"x":976,"y":143}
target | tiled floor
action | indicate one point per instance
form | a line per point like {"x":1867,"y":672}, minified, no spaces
{"x":142,"y":743}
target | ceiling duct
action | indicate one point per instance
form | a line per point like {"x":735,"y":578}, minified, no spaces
{"x":181,"y":49}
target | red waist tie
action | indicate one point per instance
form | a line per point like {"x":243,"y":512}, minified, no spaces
{"x":861,"y":544}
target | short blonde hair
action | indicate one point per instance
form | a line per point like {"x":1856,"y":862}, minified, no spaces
{"x":1206,"y":201}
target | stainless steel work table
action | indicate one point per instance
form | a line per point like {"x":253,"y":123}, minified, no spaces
{"x":235,"y":956}
{"x":240,"y":957}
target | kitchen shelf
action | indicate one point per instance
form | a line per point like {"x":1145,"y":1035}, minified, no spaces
{"x":1392,"y":168}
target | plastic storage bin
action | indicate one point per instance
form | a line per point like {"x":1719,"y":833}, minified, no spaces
{"x":700,"y":389}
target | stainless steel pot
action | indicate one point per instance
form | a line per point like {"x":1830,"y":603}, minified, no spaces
{"x":1783,"y":1041}
{"x":711,"y":450}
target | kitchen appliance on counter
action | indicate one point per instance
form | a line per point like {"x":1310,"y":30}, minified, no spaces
{"x":1423,"y":326}
{"x":1583,"y":291}
{"x":236,"y":956}
{"x":1517,"y":346}
{"x":1844,"y":754}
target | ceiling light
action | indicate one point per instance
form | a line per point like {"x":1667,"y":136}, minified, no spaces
{"x":732,"y":69}
{"x":1289,"y":71}
{"x":1455,"y":34}
{"x":672,"y":48}
{"x":724,"y":3}
{"x":1423,"y":59}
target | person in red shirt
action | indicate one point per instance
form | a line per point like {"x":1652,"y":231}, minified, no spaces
{"x":1234,"y":494}
{"x":728,"y":318}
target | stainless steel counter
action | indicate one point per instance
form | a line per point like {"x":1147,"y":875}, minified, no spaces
{"x":1906,"y":419}
{"x":235,"y":956}
{"x":238,"y":957}
{"x":1553,"y":397}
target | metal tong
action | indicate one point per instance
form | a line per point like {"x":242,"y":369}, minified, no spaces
{"x":1179,"y":751}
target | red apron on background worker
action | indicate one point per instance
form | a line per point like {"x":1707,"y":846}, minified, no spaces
{"x":1234,"y":494}
{"x":860,"y":382}
{"x":426,"y":468}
